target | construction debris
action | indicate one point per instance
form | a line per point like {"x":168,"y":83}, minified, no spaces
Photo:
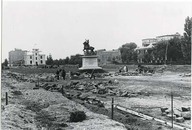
{"x":178,"y":115}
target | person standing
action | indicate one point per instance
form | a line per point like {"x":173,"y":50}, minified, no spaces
{"x":57,"y":74}
{"x":63,"y":74}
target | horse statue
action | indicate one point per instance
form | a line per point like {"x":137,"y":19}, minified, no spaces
{"x":87,"y":48}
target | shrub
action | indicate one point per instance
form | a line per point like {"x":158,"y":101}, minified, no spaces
{"x":77,"y":116}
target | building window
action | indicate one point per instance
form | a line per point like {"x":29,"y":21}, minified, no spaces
{"x":41,"y":62}
{"x":41,"y":57}
{"x":30,"y":57}
{"x":36,"y":58}
{"x":31,"y":62}
{"x":35,"y":53}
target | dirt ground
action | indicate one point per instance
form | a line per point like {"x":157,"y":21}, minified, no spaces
{"x":159,"y":88}
{"x":156,"y":91}
{"x":30,"y":109}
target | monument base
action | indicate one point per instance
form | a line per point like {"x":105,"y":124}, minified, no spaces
{"x":89,"y":63}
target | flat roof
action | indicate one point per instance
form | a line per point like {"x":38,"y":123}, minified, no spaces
{"x":149,"y":39}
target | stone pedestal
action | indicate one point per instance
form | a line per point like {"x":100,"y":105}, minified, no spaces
{"x":89,"y":62}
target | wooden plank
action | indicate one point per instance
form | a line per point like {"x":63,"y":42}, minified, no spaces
{"x":122,"y":108}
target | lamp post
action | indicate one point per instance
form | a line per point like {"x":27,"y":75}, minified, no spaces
{"x":167,"y":43}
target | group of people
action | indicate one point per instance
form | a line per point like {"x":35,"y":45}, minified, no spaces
{"x":61,"y":72}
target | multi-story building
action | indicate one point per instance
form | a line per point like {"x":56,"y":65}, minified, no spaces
{"x":149,"y":43}
{"x":167,"y":37}
{"x":111,"y":56}
{"x":16,"y":57}
{"x":34,"y":58}
{"x":146,"y":42}
{"x":21,"y":57}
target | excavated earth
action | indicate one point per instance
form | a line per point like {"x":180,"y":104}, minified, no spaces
{"x":30,"y":109}
{"x":40,"y":109}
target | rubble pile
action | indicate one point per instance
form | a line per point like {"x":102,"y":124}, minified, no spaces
{"x":186,"y":75}
{"x":32,"y":78}
{"x":85,"y":90}
{"x":127,"y":73}
{"x":18,"y":77}
{"x":179,"y":115}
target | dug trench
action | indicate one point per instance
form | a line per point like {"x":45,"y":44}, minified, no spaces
{"x":130,"y":121}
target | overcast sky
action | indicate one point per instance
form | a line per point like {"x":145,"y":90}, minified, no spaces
{"x":60,"y":28}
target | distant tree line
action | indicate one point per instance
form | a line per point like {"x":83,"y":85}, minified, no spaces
{"x":176,"y":50}
{"x":74,"y":60}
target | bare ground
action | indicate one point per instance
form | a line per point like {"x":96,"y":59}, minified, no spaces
{"x":43,"y":110}
{"x":159,"y":86}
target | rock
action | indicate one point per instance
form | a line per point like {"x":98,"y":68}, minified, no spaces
{"x":43,"y":85}
{"x":94,"y":91}
{"x":84,"y":96}
{"x":163,"y":109}
{"x":163,"y":113}
{"x":110,"y":93}
{"x":74,"y":83}
{"x":179,"y":119}
{"x":101,"y":87}
{"x":146,"y":94}
{"x":48,"y":87}
{"x":124,"y":94}
{"x":186,"y":115}
{"x":184,"y":109}
{"x":132,"y":95}
{"x":81,"y":87}
{"x":170,"y":116}
{"x":35,"y":88}
{"x":177,"y":113}
{"x":63,"y":125}
{"x":167,"y":111}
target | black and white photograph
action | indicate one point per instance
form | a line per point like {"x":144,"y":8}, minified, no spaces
{"x":96,"y":65}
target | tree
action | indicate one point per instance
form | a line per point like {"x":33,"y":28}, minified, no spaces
{"x":159,"y":50}
{"x":67,"y":60}
{"x":186,"y":40}
{"x":174,"y":52}
{"x":173,"y":47}
{"x":5,"y":63}
{"x":76,"y":59}
{"x":49,"y":60}
{"x":127,"y":52}
{"x":147,"y":57}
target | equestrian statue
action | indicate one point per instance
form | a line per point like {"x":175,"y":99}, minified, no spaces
{"x":88,"y":50}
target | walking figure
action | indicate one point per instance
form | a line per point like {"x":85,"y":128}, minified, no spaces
{"x":63,"y":74}
{"x":57,"y":74}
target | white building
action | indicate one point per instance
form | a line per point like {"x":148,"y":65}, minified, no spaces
{"x":146,"y":42}
{"x":168,"y":37}
{"x":34,"y":58}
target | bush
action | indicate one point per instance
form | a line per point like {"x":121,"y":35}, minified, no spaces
{"x":77,"y":116}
